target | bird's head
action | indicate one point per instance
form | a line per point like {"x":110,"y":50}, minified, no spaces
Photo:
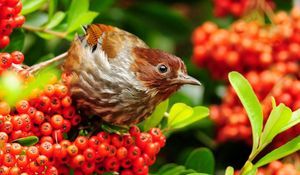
{"x":161,"y":72}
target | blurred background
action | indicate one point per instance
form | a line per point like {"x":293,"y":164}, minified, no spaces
{"x":167,"y":25}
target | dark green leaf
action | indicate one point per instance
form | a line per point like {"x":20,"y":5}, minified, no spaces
{"x":156,"y":116}
{"x":27,"y":141}
{"x":31,"y":6}
{"x":229,"y":171}
{"x":198,"y":113}
{"x":250,"y":103}
{"x":278,"y":118}
{"x":166,"y":168}
{"x":202,"y":160}
{"x":83,"y":18}
{"x":57,"y":19}
{"x":103,"y":6}
{"x":286,"y":149}
{"x":110,"y":173}
{"x":16,"y":41}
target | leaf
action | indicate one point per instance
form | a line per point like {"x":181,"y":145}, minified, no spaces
{"x":84,"y":18}
{"x":57,"y":19}
{"x":252,"y":171}
{"x":156,"y":116}
{"x":174,"y":171}
{"x":295,"y":119}
{"x":229,"y":171}
{"x":202,"y":160}
{"x":29,"y":6}
{"x":52,"y":8}
{"x":27,"y":141}
{"x":278,"y":118}
{"x":16,"y":41}
{"x":166,"y":168}
{"x":286,"y":149}
{"x":199,"y":112}
{"x":178,"y":111}
{"x":250,"y":103}
{"x":76,"y":10}
{"x":104,"y":5}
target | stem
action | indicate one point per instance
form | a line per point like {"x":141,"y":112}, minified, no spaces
{"x":44,"y":64}
{"x":40,"y":29}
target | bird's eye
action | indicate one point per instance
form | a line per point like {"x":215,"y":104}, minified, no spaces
{"x":162,"y":68}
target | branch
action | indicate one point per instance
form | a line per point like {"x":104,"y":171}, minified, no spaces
{"x":44,"y":64}
{"x":40,"y":29}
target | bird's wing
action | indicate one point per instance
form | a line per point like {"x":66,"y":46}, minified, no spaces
{"x":111,"y":39}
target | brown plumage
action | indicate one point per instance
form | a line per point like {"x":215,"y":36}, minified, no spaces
{"x":116,"y":76}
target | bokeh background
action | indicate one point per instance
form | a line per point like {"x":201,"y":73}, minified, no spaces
{"x":167,"y":25}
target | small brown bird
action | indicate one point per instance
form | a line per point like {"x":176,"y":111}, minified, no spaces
{"x":116,"y":76}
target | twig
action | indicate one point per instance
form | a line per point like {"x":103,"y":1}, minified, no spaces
{"x":44,"y":64}
{"x":40,"y":29}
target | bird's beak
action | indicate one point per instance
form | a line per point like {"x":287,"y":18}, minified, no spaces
{"x":186,"y":79}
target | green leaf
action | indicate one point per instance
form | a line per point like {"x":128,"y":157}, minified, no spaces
{"x":156,"y":116}
{"x":31,"y":6}
{"x":52,"y":8}
{"x":252,"y":171}
{"x":76,"y":10}
{"x":16,"y":41}
{"x":177,"y":111}
{"x":278,"y":118}
{"x":199,"y":112}
{"x":57,"y":19}
{"x":166,"y":168}
{"x":83,"y":18}
{"x":174,"y":171}
{"x":229,"y":171}
{"x":202,"y":160}
{"x":27,"y":141}
{"x":250,"y":103}
{"x":286,"y":149}
{"x":295,"y":119}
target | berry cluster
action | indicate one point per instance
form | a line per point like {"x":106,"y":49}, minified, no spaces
{"x":237,"y":8}
{"x":231,"y":118}
{"x":278,"y":168}
{"x":247,"y":46}
{"x":9,"y":19}
{"x":7,"y":59}
{"x":128,"y":154}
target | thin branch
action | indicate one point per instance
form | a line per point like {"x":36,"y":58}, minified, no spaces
{"x":40,"y":29}
{"x":44,"y":64}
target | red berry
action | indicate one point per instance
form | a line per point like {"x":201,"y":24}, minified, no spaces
{"x":5,"y":60}
{"x":17,"y":57}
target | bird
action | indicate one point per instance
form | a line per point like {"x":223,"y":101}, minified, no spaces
{"x":118,"y":77}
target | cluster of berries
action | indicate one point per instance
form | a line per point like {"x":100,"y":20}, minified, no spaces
{"x":10,"y":18}
{"x":278,"y":168}
{"x":128,"y":154}
{"x":7,"y":59}
{"x":247,"y":46}
{"x":231,"y":118}
{"x":237,"y":8}
{"x":268,"y":56}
